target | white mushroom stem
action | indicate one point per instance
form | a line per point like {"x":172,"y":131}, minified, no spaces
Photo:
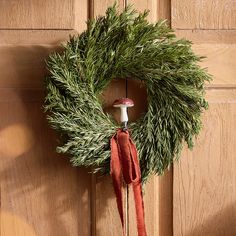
{"x":123,"y":114}
{"x":123,"y":104}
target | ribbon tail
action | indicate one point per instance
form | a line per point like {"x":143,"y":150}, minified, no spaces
{"x":124,"y":164}
{"x":138,"y":197}
{"x":139,"y":206}
{"x":116,"y":174}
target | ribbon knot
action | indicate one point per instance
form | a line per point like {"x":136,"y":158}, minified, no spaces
{"x":125,"y":166}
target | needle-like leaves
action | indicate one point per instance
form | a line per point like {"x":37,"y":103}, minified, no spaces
{"x":118,"y":46}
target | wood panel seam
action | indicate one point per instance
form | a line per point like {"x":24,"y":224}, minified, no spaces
{"x":34,"y":29}
{"x":91,"y":9}
{"x":204,"y":29}
{"x":93,"y":206}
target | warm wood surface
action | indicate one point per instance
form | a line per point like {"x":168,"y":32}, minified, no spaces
{"x":164,"y":9}
{"x":220,"y":62}
{"x":141,"y":5}
{"x":26,"y":14}
{"x":159,"y":9}
{"x":40,"y":191}
{"x":98,"y":8}
{"x":41,"y":194}
{"x":158,"y":206}
{"x":208,"y":36}
{"x":151,"y":194}
{"x":106,"y":218}
{"x":205,"y":179}
{"x":80,"y":14}
{"x":203,"y":14}
{"x":23,"y":66}
{"x":34,"y":37}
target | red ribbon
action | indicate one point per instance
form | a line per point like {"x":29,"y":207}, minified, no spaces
{"x":125,"y":165}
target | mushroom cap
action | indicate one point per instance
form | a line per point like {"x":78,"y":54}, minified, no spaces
{"x":123,"y":102}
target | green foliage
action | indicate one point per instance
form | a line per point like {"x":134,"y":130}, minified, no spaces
{"x":126,"y":45}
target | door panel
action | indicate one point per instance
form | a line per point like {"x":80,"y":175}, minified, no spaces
{"x":203,"y":14}
{"x":41,"y":194}
{"x":205,"y":178}
{"x":23,"y":66}
{"x":33,"y":14}
{"x":219,"y":56}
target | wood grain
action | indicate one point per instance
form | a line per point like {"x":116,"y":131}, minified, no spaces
{"x":165,"y":226}
{"x":158,"y":206}
{"x":203,"y":14}
{"x":159,"y":9}
{"x":208,"y":36}
{"x":205,"y":179}
{"x":25,"y":14}
{"x":151,"y":207}
{"x":142,"y":5}
{"x":40,"y":192}
{"x":81,"y":14}
{"x":107,"y":219}
{"x":23,"y":66}
{"x":164,"y":9}
{"x":21,"y":94}
{"x":220,"y":62}
{"x":34,"y":37}
{"x":98,"y":8}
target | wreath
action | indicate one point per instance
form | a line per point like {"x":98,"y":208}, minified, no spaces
{"x":125,"y":45}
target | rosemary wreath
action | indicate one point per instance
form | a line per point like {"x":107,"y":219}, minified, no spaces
{"x":125,"y":45}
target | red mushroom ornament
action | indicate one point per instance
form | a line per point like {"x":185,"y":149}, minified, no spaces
{"x":123,"y":103}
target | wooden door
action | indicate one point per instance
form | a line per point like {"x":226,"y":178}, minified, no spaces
{"x":204,"y":181}
{"x":42,"y":195}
